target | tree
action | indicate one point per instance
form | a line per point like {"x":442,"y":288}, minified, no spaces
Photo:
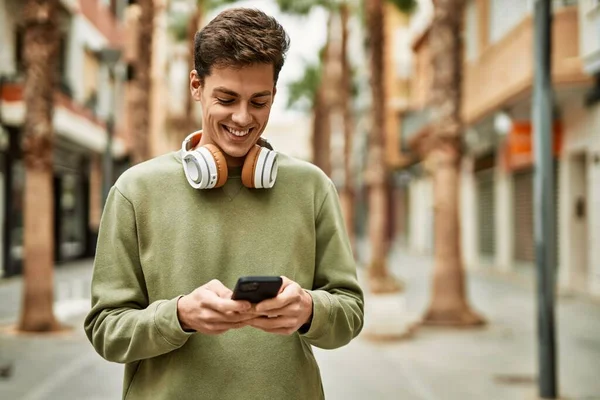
{"x":322,"y":96}
{"x":307,"y":93}
{"x":329,"y":94}
{"x":347,"y":194}
{"x":40,"y":51}
{"x":142,"y":82}
{"x":444,"y":151}
{"x":380,"y":278}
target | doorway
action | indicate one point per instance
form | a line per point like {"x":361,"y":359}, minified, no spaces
{"x":579,"y":222}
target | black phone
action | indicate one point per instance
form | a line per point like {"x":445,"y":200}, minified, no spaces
{"x":257,"y":288}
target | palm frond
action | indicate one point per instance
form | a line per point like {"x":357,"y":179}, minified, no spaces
{"x":406,"y":6}
{"x":302,"y":91}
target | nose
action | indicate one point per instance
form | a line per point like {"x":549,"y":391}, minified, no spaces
{"x":241,"y":116}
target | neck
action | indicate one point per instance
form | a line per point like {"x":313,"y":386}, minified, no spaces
{"x":231,"y":161}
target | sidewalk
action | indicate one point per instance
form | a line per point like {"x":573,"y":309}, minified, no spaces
{"x":493,"y":363}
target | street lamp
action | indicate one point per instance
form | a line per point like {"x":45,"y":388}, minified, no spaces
{"x":109,"y":57}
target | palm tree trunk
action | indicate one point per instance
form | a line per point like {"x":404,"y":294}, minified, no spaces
{"x":347,"y":193}
{"x":40,"y":54}
{"x":380,"y":279}
{"x":321,"y":132}
{"x":193,"y":26}
{"x":140,"y":109}
{"x":321,"y":136}
{"x":449,"y":305}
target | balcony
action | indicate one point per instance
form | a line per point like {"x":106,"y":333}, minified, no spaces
{"x":504,"y":71}
{"x":71,"y":120}
{"x":101,"y":17}
{"x":589,"y":19}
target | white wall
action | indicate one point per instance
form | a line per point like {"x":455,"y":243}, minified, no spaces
{"x":421,"y":215}
{"x":8,"y":10}
{"x":564,"y":216}
{"x":589,"y":35}
{"x":504,"y":15}
{"x":594,"y":199}
{"x":504,"y":216}
{"x":582,"y":135}
{"x":468,"y":215}
{"x":83,"y":35}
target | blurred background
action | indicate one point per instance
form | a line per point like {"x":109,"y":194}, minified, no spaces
{"x":421,"y":112}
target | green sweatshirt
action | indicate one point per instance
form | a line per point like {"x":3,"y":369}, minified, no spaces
{"x":160,"y":239}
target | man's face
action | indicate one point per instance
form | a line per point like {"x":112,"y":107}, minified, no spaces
{"x":236,"y":103}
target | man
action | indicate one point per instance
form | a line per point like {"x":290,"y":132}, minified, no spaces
{"x":168,"y":253}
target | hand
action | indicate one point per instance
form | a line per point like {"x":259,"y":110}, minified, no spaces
{"x":286,"y":313}
{"x":210,"y":310}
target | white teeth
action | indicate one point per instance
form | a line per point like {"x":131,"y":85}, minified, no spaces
{"x":238,"y":133}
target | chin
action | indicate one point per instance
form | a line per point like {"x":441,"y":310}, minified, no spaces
{"x":235,"y":150}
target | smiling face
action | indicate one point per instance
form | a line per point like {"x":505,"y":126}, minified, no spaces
{"x":236,"y":103}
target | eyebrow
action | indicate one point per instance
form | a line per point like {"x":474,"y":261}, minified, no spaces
{"x":234,"y":94}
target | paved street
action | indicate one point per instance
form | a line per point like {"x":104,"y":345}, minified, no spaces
{"x":496,"y":363}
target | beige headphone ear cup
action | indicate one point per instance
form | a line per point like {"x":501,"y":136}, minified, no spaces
{"x":221,"y":164}
{"x":250,"y":166}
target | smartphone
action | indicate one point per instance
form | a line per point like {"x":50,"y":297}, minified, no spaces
{"x":257,"y":288}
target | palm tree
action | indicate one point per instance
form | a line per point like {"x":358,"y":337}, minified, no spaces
{"x":448,"y":305}
{"x":40,"y":51}
{"x":345,"y":91}
{"x":380,"y":278}
{"x":140,"y":105}
{"x":307,"y":93}
{"x":322,"y":99}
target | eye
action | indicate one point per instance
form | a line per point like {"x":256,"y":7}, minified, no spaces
{"x":258,"y":104}
{"x":225,"y":101}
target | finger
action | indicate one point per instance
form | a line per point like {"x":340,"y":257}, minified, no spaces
{"x":291,"y":310}
{"x":238,"y":317}
{"x":289,"y":295}
{"x":214,"y":302}
{"x":221,"y":290}
{"x":285,"y":282}
{"x":213,"y":316}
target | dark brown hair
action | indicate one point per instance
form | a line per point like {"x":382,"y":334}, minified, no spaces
{"x":240,"y":37}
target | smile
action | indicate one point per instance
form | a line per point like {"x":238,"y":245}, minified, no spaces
{"x":236,"y":132}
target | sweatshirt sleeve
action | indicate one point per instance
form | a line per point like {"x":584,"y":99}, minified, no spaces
{"x":338,"y":303}
{"x":122,"y":325}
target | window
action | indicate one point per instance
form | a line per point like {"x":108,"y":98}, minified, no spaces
{"x":90,"y":81}
{"x":402,"y":52}
{"x":19,"y":56}
{"x":504,"y":16}
{"x":61,"y":61}
{"x":471,"y":31}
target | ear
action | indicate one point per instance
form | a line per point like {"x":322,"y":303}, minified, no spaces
{"x":274,"y":93}
{"x":195,"y":86}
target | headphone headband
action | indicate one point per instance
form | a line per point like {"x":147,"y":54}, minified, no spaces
{"x":193,"y":138}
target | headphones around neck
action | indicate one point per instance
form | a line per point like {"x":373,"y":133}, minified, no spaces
{"x":205,"y":166}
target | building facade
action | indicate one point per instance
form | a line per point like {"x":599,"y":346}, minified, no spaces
{"x":497,"y":173}
{"x":90,"y":92}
